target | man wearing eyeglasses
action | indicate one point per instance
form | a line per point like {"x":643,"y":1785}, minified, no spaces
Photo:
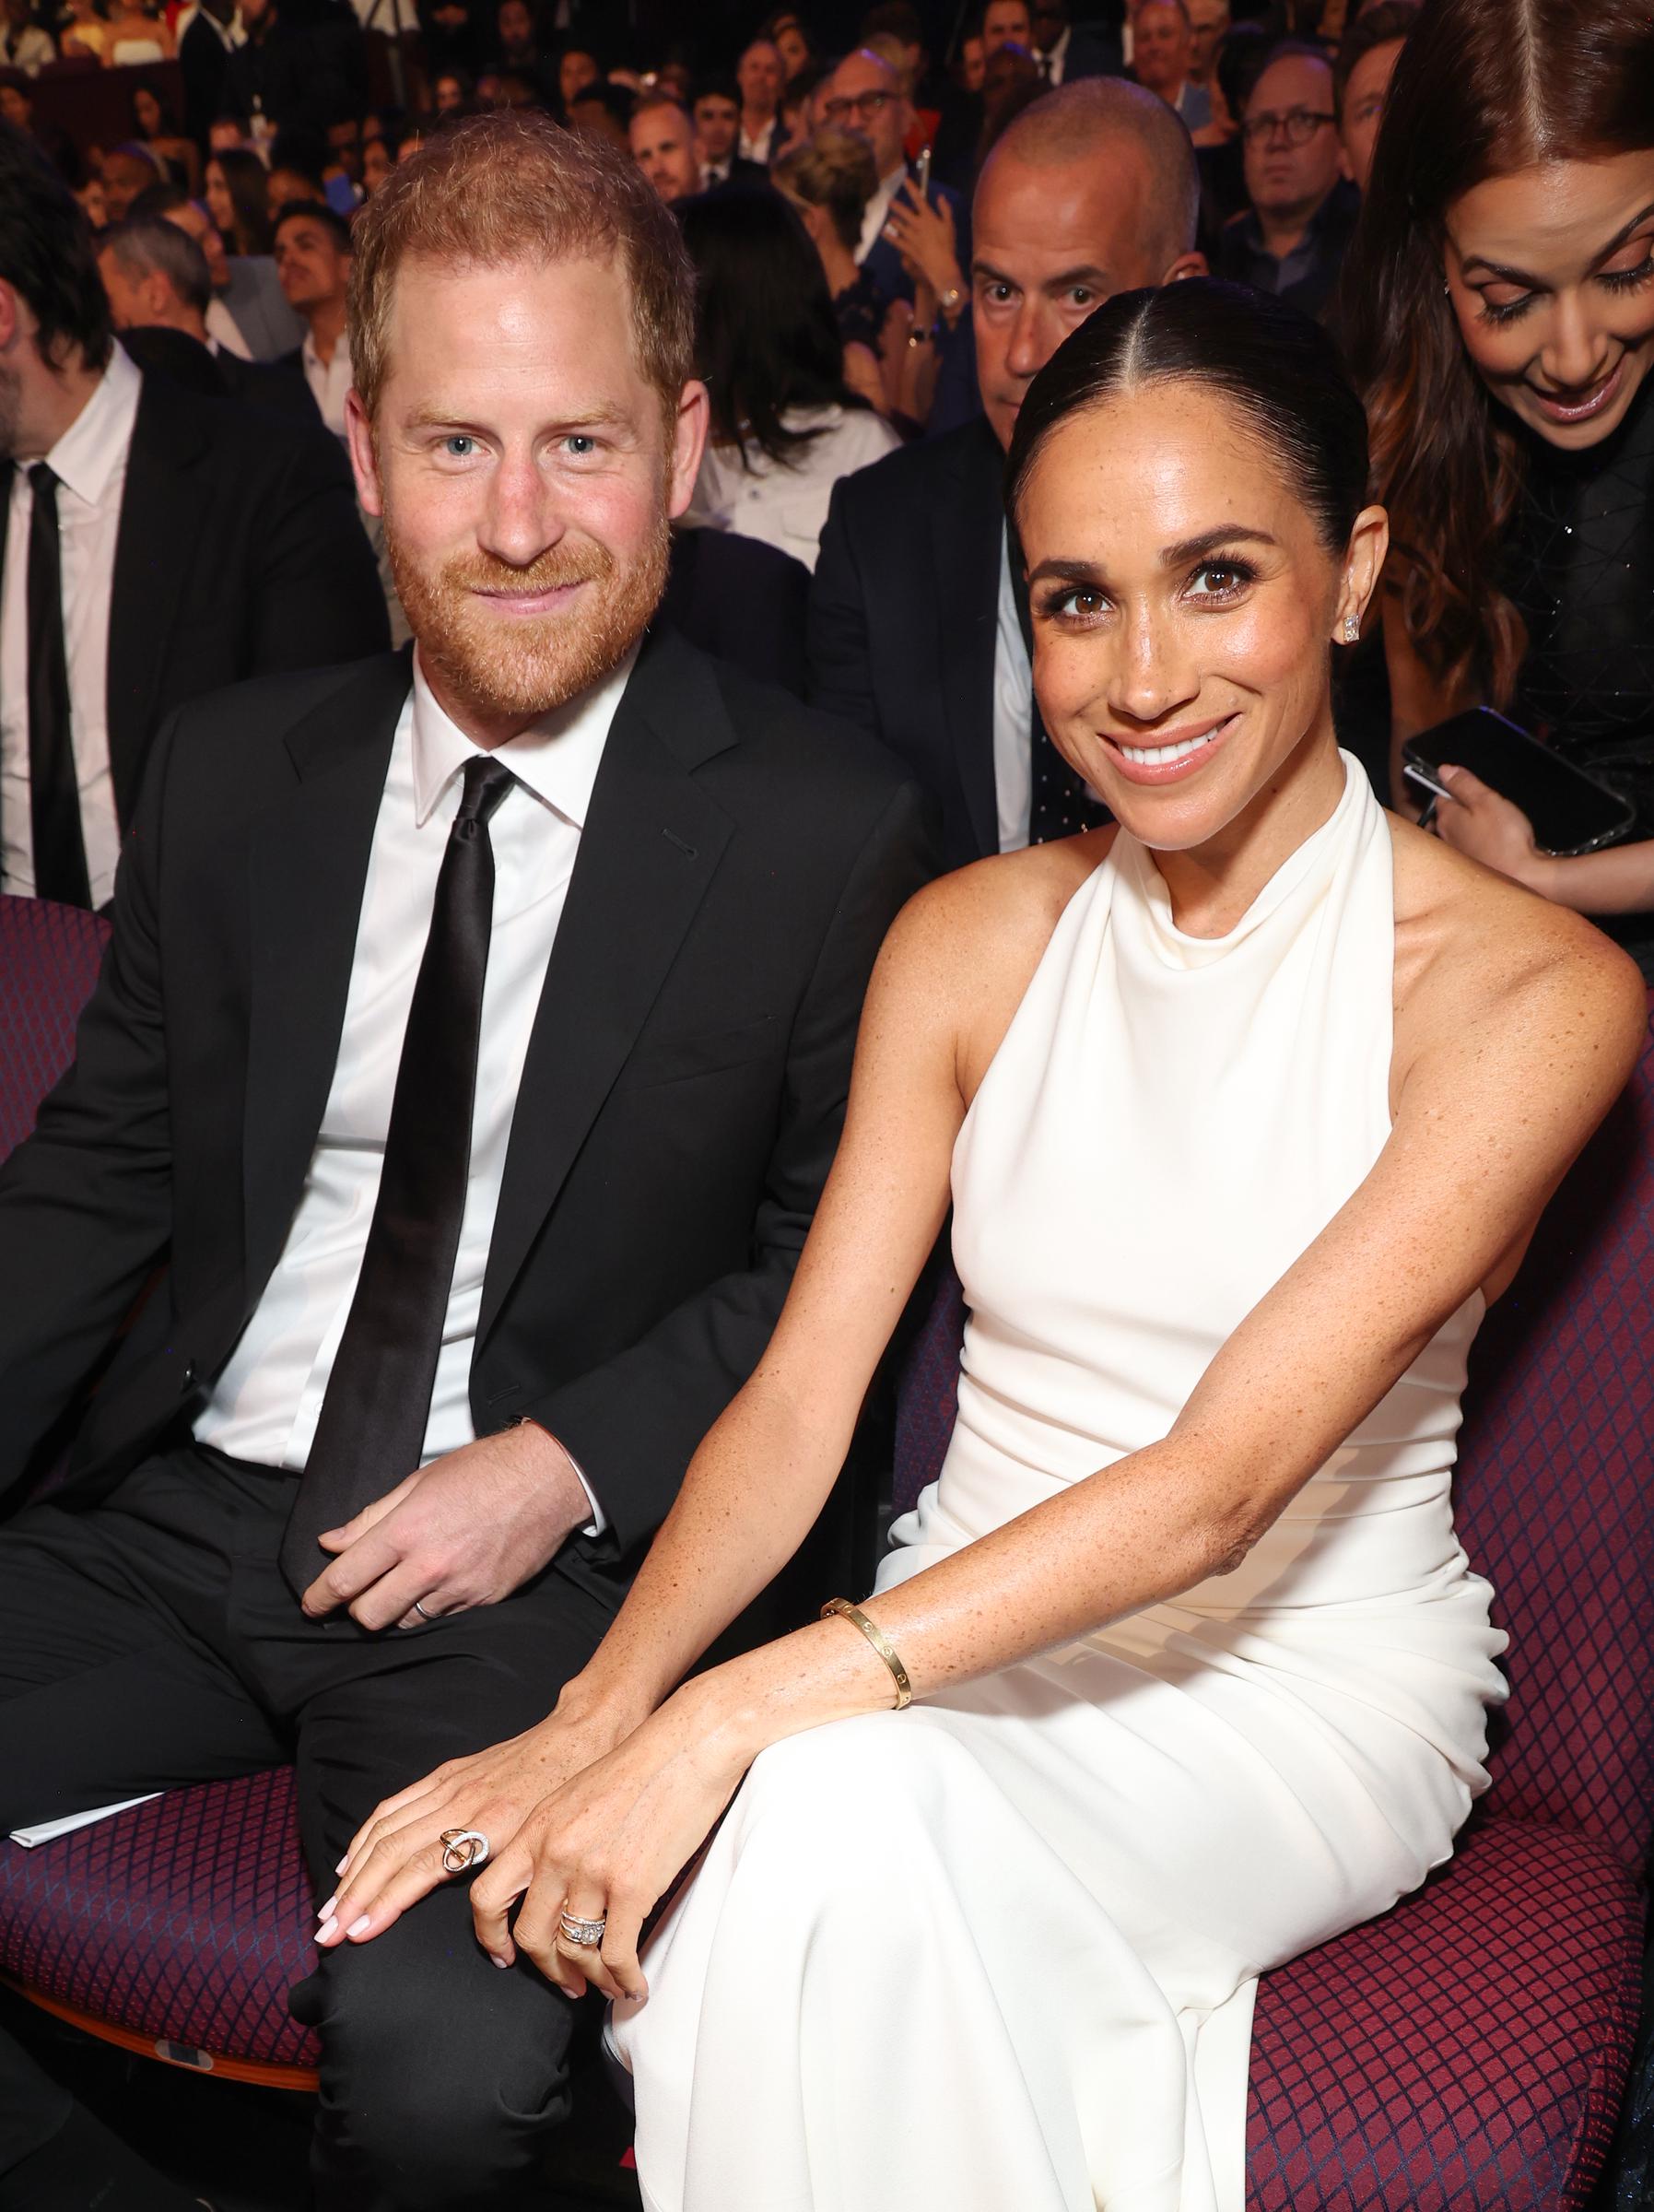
{"x":1292,"y":240}
{"x":866,"y":94}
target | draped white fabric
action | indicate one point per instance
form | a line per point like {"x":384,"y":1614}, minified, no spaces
{"x":1000,"y":1950}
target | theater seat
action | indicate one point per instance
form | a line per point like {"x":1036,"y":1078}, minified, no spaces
{"x":1468,"y":2051}
{"x":176,"y":1928}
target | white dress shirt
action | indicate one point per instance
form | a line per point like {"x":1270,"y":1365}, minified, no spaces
{"x":757,"y":149}
{"x":265,"y":1403}
{"x":328,"y":381}
{"x":877,"y":210}
{"x":224,"y":333}
{"x":1012,"y":714}
{"x":1053,"y":63}
{"x":89,"y":462}
{"x":28,"y":48}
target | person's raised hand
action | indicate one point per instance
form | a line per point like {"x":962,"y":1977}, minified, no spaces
{"x":395,"y":1857}
{"x":1477,"y":821}
{"x":925,"y":238}
{"x":466,"y":1531}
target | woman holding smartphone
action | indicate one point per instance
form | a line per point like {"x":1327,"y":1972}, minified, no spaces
{"x":1498,"y":315}
{"x":1195,"y":1670}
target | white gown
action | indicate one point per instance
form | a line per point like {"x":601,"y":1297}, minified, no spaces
{"x":998,"y":1953}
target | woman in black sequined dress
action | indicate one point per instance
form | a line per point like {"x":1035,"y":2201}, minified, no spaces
{"x":1498,"y":312}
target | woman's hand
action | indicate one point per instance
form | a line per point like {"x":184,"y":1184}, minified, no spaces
{"x":925,"y":238}
{"x":395,"y":1857}
{"x":1478,"y":821}
{"x":608,"y":1846}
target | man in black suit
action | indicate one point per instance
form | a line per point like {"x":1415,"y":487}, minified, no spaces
{"x":918,"y":626}
{"x":155,"y":277}
{"x":155,"y":548}
{"x":473,"y":1044}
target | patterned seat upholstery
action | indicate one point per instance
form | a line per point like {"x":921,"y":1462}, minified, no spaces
{"x":1467,"y":2053}
{"x":181,"y":1924}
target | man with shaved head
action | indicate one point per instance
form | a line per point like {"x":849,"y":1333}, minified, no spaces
{"x":918,"y":618}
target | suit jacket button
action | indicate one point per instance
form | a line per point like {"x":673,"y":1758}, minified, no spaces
{"x":187,"y":1382}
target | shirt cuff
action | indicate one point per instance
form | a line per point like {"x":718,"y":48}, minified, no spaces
{"x":600,"y":1520}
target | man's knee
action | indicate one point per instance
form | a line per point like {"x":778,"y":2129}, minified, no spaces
{"x":441,"y":2078}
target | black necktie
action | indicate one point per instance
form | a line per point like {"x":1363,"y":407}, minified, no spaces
{"x":1059,"y":802}
{"x":54,"y":786}
{"x":377,"y":1405}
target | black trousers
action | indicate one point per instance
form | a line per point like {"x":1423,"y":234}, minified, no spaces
{"x":151,"y":1642}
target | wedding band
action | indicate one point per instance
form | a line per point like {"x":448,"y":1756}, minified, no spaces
{"x":422,"y":1613}
{"x":585,"y":1934}
{"x":462,"y":1849}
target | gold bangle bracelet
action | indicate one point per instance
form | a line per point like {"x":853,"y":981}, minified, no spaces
{"x":880,"y":1642}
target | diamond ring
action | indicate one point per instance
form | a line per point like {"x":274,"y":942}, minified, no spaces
{"x":585,"y":1934}
{"x":462,"y":1849}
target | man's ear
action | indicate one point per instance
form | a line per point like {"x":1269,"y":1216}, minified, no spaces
{"x":364,"y":460}
{"x":10,"y":322}
{"x":688,"y":443}
{"x":1186,"y":264}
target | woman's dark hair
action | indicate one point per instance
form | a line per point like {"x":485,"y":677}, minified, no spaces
{"x":249,"y":187}
{"x":1481,"y":89}
{"x":1244,"y":53}
{"x":47,"y":254}
{"x":766,"y":338}
{"x":165,"y":122}
{"x":1279,"y":373}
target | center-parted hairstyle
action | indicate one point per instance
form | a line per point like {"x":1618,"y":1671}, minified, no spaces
{"x":1482,"y":88}
{"x":512,"y":187}
{"x":1279,"y":373}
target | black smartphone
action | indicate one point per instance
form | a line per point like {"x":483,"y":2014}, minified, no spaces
{"x":1570,"y":812}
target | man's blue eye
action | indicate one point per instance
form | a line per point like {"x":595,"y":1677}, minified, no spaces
{"x":460,"y":446}
{"x":581,"y":445}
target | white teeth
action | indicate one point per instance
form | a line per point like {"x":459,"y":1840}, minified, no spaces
{"x":1158,"y":756}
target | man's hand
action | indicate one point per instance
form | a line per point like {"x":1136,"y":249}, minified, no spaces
{"x":466,"y":1531}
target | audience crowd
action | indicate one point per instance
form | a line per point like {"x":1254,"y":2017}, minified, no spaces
{"x":896,"y":216}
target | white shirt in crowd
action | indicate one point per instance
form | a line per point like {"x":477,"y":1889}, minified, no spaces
{"x":1053,"y":63}
{"x":785,"y":502}
{"x":89,"y":462}
{"x":877,"y":209}
{"x":264,"y":1404}
{"x":1013,"y":713}
{"x":756,"y":147}
{"x":224,"y":333}
{"x":28,"y":48}
{"x":229,"y":35}
{"x":328,"y":381}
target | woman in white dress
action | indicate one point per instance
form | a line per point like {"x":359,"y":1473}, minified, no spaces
{"x":1245,"y":1108}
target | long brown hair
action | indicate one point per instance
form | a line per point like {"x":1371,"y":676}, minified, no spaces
{"x":1482,"y":88}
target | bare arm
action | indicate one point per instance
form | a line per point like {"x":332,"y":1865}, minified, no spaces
{"x":1508,"y":1082}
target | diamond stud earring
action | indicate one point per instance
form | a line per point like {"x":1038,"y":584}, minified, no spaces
{"x":1351,"y":630}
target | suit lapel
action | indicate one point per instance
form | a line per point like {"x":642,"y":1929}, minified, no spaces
{"x":307,"y":869}
{"x":160,"y":512}
{"x":966,"y":535}
{"x":651,"y":842}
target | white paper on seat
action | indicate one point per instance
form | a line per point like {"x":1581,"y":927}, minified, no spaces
{"x":47,"y":1832}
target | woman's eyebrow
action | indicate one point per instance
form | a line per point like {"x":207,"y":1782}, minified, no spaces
{"x":1213,"y":541}
{"x":1509,"y":276}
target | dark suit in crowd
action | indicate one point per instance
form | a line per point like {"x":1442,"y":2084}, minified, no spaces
{"x":740,"y":599}
{"x":680,"y":1103}
{"x":903,"y":613}
{"x":225,"y":375}
{"x":239,"y":553}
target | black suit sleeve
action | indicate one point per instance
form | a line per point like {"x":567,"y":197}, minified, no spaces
{"x":85,"y":1203}
{"x":840,"y":670}
{"x":634,"y":1423}
{"x":315,"y":594}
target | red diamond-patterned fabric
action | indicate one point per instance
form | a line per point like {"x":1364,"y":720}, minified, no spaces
{"x":48,"y":957}
{"x":1468,"y":2051}
{"x":1464,"y":2054}
{"x":1554,"y":1494}
{"x":186,"y":1920}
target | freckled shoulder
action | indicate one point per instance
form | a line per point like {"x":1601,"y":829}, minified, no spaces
{"x":1472,"y":948}
{"x":972,"y":940}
